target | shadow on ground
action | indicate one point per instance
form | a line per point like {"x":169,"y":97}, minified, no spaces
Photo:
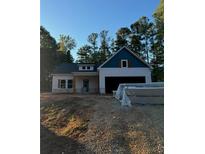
{"x":53,"y":144}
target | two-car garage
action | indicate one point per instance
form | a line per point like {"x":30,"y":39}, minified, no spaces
{"x":109,"y":79}
{"x":112,"y":83}
{"x":124,"y":66}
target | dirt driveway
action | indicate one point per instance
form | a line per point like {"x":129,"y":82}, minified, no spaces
{"x":98,"y":124}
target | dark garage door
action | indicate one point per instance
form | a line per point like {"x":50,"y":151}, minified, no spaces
{"x":111,"y":83}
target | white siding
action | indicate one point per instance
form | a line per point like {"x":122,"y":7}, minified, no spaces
{"x":93,"y":84}
{"x":129,"y":72}
{"x":57,"y":77}
{"x":81,"y":68}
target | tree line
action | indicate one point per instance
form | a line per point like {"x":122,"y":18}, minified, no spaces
{"x":144,"y":37}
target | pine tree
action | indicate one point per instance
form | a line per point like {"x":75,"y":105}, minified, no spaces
{"x":122,"y":37}
{"x":158,"y":44}
{"x":143,"y":28}
{"x":104,"y":51}
{"x":85,"y":54}
{"x":92,"y":39}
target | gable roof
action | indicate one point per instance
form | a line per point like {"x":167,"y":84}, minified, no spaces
{"x":67,"y":68}
{"x":128,"y":51}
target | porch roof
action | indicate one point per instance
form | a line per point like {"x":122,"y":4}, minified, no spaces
{"x":68,"y":68}
{"x":85,"y":73}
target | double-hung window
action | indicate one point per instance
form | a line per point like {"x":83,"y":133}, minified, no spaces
{"x":61,"y":83}
{"x":69,"y":84}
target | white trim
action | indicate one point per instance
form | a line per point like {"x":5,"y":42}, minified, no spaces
{"x":122,"y":63}
{"x":130,"y":52}
{"x":123,"y":72}
{"x":55,"y":79}
{"x":62,"y":74}
{"x":85,"y":73}
{"x":110,"y":58}
{"x":139,"y":58}
{"x":61,"y":83}
{"x":86,"y":68}
{"x":71,"y":83}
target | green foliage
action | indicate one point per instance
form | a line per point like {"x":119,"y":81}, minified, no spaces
{"x":92,"y":39}
{"x":47,"y":58}
{"x":143,"y":29}
{"x":112,"y":46}
{"x":157,"y":73}
{"x":104,"y":51}
{"x":85,"y":54}
{"x":135,"y":45}
{"x":89,"y":53}
{"x":159,"y":12}
{"x":138,"y":38}
{"x":92,"y":53}
{"x":66,"y":44}
{"x":69,"y":57}
{"x":50,"y":56}
{"x":158,"y":44}
{"x":122,"y":37}
{"x":46,"y":40}
{"x":48,"y":61}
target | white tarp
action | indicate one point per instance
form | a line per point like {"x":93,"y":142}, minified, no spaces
{"x":122,"y":96}
{"x":125,"y":99}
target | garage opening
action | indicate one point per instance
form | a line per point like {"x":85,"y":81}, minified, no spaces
{"x":112,"y":83}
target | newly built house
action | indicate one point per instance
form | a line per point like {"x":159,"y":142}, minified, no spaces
{"x":122,"y":67}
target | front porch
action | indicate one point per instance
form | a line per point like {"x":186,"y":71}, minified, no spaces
{"x":85,"y":82}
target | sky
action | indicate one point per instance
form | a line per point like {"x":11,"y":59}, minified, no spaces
{"x":79,"y":18}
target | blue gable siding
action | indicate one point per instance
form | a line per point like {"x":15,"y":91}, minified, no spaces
{"x":124,"y":54}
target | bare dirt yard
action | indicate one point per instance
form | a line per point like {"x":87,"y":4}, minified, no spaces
{"x":98,"y":124}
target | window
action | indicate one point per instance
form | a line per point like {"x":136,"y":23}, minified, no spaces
{"x":86,"y":68}
{"x":69,"y":84}
{"x":124,"y":63}
{"x":61,"y":83}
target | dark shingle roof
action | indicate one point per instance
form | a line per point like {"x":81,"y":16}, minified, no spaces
{"x":66,"y":68}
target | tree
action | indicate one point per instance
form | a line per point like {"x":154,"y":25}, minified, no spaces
{"x":46,"y":40}
{"x":85,"y":54}
{"x":158,"y":44}
{"x":112,"y":46}
{"x":143,"y":28}
{"x":135,"y":45}
{"x":47,"y":58}
{"x":94,"y":53}
{"x":122,"y":37}
{"x":92,"y":39}
{"x":104,"y":51}
{"x":66,"y":44}
{"x":159,"y":12}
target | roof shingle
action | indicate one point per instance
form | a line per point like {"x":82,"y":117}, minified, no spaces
{"x":67,"y":68}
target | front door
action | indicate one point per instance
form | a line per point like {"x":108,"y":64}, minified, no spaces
{"x":86,"y":85}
